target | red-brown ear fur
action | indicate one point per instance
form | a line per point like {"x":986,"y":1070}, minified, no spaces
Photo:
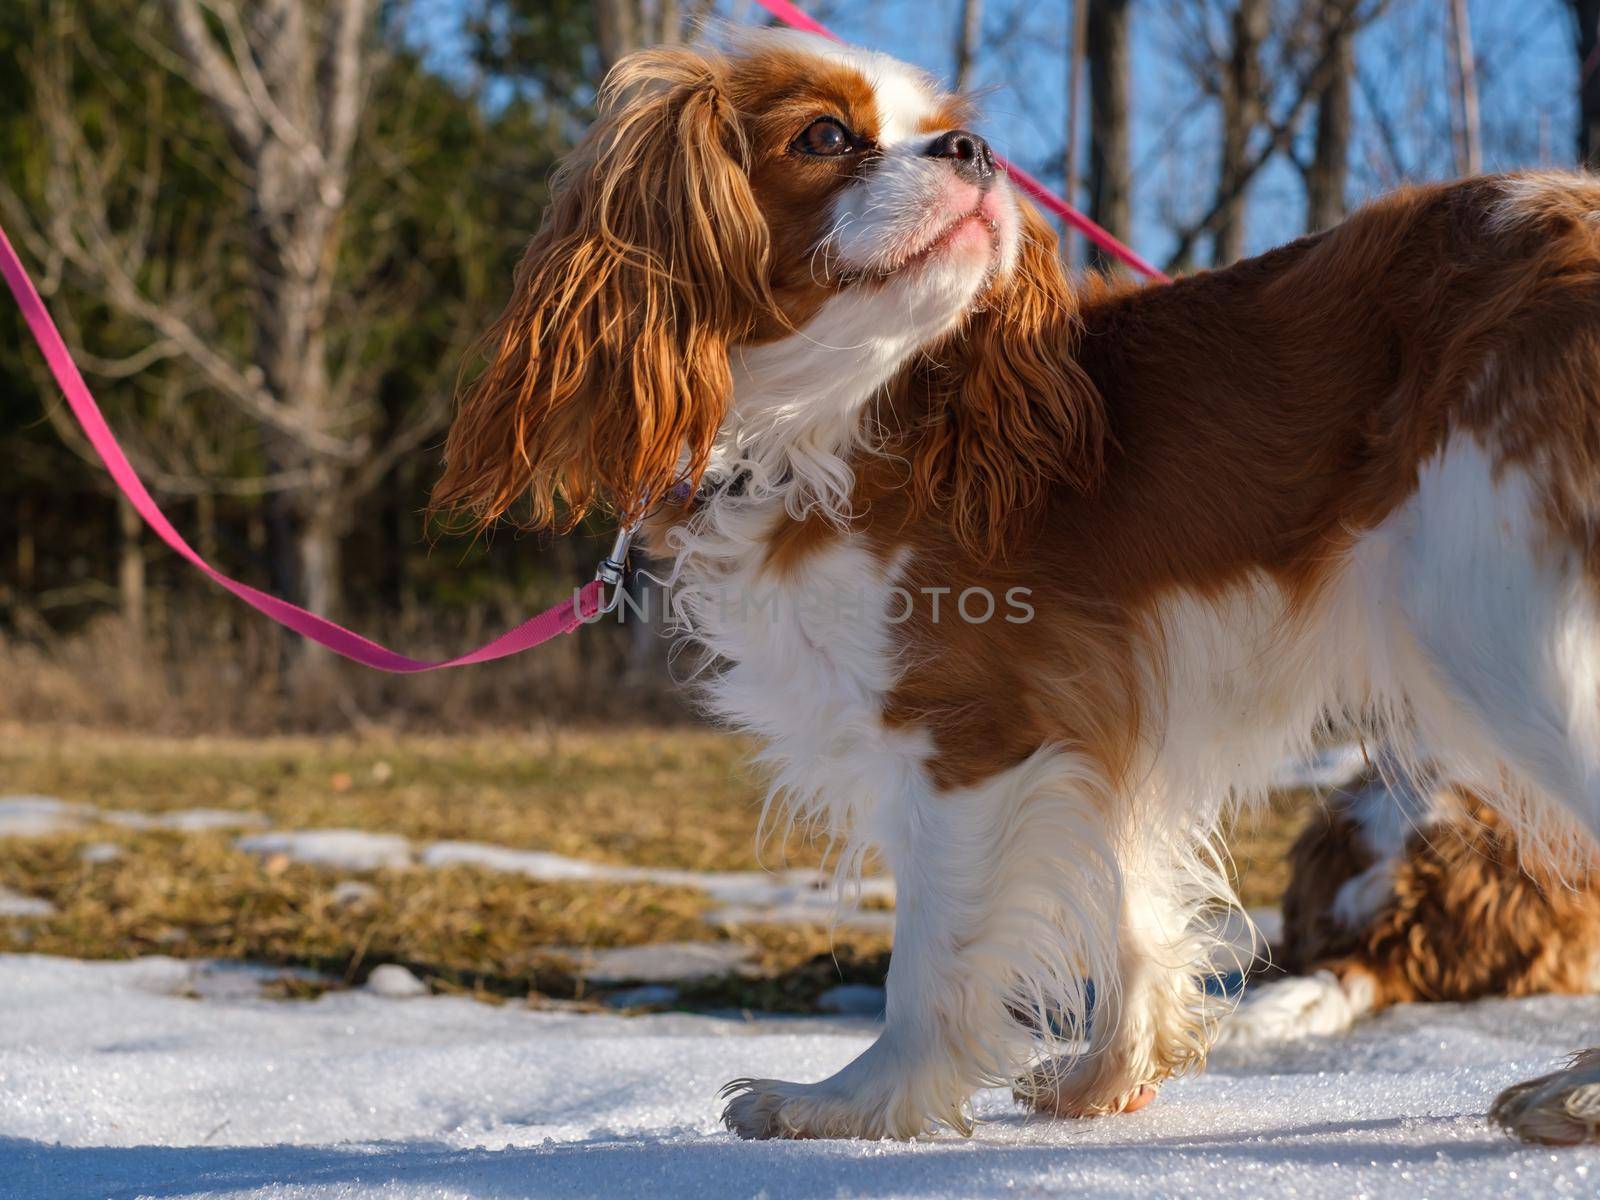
{"x":1004,"y":410}
{"x":608,"y":371}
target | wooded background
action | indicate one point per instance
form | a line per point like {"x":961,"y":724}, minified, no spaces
{"x":271,"y":229}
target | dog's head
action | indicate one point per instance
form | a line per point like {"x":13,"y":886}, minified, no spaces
{"x":757,"y":238}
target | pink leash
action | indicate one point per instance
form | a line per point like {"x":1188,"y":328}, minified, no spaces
{"x":793,"y":17}
{"x":563,"y":618}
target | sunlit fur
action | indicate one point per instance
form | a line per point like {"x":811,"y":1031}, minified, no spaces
{"x":1008,"y":412}
{"x":608,"y":372}
{"x":1356,"y":475}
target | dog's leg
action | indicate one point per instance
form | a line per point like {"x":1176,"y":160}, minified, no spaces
{"x":1153,"y":1021}
{"x":1326,"y":1001}
{"x":1499,"y":593}
{"x":1559,"y":1109}
{"x":1001,"y":899}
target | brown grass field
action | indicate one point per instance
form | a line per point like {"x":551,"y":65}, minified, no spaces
{"x":676,"y":797}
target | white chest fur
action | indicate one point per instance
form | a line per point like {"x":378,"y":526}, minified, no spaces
{"x":804,"y":660}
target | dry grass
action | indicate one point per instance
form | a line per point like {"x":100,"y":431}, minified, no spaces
{"x":651,"y":797}
{"x":219,"y":669}
{"x":671,"y":798}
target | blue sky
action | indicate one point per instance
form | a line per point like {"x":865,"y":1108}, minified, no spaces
{"x":1527,"y":66}
{"x":1528,"y":72}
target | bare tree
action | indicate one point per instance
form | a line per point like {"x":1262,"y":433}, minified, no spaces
{"x":1313,"y":46}
{"x":1243,"y":111}
{"x":1586,"y":14}
{"x":1468,"y":125}
{"x":1074,"y":115}
{"x":1110,"y":67}
{"x":130,"y":568}
{"x":623,"y":26}
{"x":1327,"y":174}
{"x":288,"y":83}
{"x":280,"y":333}
{"x":968,"y":39}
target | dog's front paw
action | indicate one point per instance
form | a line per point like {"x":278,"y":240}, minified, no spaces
{"x":1559,"y":1109}
{"x":771,"y":1108}
{"x":1063,"y":1097}
{"x":1098,"y":1085}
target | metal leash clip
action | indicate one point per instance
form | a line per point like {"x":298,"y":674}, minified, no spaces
{"x":613,"y":569}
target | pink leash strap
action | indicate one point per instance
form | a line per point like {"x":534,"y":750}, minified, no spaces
{"x":793,"y":17}
{"x":563,"y":618}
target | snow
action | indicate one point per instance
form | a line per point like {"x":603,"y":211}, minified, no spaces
{"x":661,"y":962}
{"x":189,"y":820}
{"x":395,"y":982}
{"x":792,"y":892}
{"x":112,"y":1084}
{"x":744,"y":897}
{"x":40,"y":816}
{"x":15,"y":904}
{"x":345,"y":849}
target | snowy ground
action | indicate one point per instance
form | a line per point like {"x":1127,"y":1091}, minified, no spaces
{"x":146,"y":1079}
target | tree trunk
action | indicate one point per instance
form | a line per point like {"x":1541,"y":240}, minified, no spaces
{"x":1587,"y":14}
{"x":130,"y":569}
{"x":1469,"y":134}
{"x":27,"y":547}
{"x":968,"y":38}
{"x":1110,"y":190}
{"x":1074,"y":118}
{"x":205,"y":525}
{"x":1325,"y":180}
{"x":618,"y":29}
{"x":319,"y":558}
{"x":1241,"y":112}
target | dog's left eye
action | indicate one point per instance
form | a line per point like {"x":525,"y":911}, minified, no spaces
{"x":825,"y":137}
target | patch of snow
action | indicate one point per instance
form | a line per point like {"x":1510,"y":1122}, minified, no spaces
{"x":225,"y":980}
{"x":662,"y":962}
{"x":395,"y":982}
{"x":188,"y":820}
{"x":793,"y":896}
{"x":344,"y":849}
{"x":354,"y":893}
{"x":535,"y":864}
{"x":207,"y":979}
{"x":112,"y":1089}
{"x":41,"y":816}
{"x":15,"y":904}
{"x":100,"y":853}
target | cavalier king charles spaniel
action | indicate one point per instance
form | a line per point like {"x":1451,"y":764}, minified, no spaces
{"x":1020,"y":584}
{"x":1399,"y":894}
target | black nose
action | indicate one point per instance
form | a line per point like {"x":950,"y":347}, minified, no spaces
{"x":967,"y":152}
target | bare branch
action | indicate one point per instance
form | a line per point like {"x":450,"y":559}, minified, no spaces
{"x":343,"y":86}
{"x":968,"y":37}
{"x":215,"y":78}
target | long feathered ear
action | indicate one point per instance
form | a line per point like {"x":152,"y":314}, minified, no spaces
{"x":608,"y":372}
{"x":1006,"y":410}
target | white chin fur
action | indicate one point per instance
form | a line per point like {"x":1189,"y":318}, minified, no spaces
{"x":798,"y":401}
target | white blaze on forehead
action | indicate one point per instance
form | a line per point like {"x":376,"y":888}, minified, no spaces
{"x":906,"y":97}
